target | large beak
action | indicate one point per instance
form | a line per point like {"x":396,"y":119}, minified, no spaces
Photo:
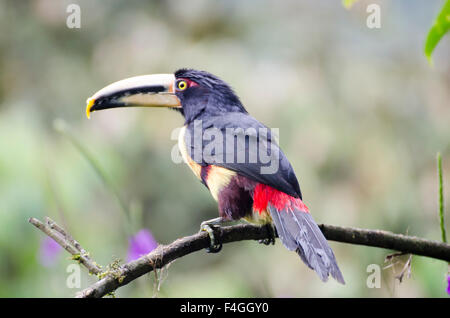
{"x":142,"y":91}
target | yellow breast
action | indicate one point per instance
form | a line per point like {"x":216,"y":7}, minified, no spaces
{"x":195,"y":167}
{"x":217,"y":177}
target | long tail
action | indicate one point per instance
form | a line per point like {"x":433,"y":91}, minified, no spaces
{"x":299,"y":232}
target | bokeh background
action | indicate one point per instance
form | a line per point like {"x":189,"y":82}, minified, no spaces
{"x":361,"y":115}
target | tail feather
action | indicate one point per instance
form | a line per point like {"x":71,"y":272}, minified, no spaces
{"x":299,"y":232}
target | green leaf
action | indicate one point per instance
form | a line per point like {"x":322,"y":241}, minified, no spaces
{"x":437,"y":31}
{"x":348,"y":3}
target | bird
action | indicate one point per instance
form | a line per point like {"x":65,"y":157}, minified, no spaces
{"x":234,"y":155}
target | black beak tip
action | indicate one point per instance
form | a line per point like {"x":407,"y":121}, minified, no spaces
{"x":99,"y":104}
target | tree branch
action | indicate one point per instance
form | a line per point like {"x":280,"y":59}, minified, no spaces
{"x":388,"y":240}
{"x":165,"y":254}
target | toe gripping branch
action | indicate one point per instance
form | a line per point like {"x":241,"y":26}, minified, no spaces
{"x":213,"y":225}
{"x":271,"y":235}
{"x":209,"y":227}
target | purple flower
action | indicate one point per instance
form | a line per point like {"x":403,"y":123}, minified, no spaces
{"x":448,"y":284}
{"x":48,"y":252}
{"x":141,"y":244}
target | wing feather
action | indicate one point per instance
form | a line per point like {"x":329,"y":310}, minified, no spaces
{"x":239,"y":142}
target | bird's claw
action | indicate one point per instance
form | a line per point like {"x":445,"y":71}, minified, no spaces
{"x":271,"y":239}
{"x":213,"y":247}
{"x":267,"y":241}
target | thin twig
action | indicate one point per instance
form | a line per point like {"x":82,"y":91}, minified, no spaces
{"x":67,"y":242}
{"x":405,"y":270}
{"x":54,"y":226}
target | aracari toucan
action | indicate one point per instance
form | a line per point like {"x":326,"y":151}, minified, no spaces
{"x":234,"y":175}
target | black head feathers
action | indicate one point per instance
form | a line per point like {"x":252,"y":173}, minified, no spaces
{"x":211,"y":95}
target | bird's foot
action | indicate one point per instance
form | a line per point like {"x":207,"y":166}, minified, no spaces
{"x":208,"y":226}
{"x":271,"y":239}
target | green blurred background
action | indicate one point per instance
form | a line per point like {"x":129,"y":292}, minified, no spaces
{"x":361,"y":116}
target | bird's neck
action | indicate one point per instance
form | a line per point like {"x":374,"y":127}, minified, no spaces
{"x":209,"y":106}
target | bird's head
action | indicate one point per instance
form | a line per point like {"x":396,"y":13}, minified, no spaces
{"x":193,"y":93}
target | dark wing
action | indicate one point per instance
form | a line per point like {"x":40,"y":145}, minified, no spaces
{"x":239,"y":142}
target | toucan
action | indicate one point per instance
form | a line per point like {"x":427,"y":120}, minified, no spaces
{"x":234,"y":155}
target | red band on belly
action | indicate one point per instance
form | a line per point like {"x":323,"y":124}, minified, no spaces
{"x":264,"y":194}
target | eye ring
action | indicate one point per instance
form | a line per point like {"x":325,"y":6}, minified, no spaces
{"x":182,"y":85}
